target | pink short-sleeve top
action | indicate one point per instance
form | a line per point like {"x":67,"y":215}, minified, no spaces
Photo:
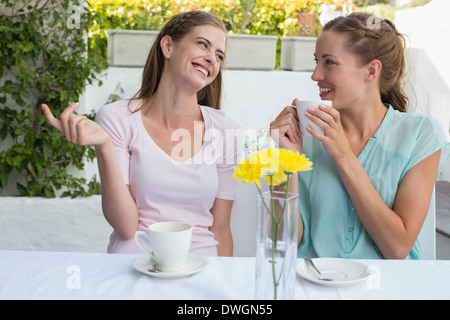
{"x":168,"y":190}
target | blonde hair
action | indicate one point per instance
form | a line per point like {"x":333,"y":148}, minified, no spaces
{"x":178,"y":26}
{"x":371,"y":38}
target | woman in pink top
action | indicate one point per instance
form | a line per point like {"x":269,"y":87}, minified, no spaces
{"x":164,"y":155}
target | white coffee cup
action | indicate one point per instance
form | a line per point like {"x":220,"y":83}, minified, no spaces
{"x":302,"y":108}
{"x":170,"y":243}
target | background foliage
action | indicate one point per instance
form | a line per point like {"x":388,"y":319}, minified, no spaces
{"x":42,"y":60}
{"x":51,"y":49}
{"x":260,"y":17}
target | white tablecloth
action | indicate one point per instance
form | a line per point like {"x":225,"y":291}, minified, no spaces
{"x":60,"y":275}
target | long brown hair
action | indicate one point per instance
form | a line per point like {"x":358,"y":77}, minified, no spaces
{"x":371,"y":38}
{"x":177,"y":27}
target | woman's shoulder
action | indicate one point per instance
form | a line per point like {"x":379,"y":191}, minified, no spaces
{"x":417,"y":136}
{"x":413,"y":124}
{"x":220,"y":119}
{"x":413,"y":133}
{"x":118,"y":117}
{"x":117,"y":112}
{"x":115,"y":109}
{"x":410,"y":116}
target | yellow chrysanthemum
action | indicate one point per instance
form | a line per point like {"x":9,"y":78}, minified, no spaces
{"x":276,"y":166}
{"x":273,"y":164}
{"x":294,"y":162}
{"x":278,"y":178}
{"x":248,"y":171}
{"x":269,"y":160}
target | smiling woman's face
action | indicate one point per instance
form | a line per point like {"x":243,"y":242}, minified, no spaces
{"x":338,"y":74}
{"x":198,"y":56}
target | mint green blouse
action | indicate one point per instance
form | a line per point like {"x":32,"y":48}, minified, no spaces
{"x":332,"y":227}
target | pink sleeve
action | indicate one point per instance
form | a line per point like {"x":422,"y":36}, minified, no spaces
{"x":233,"y":144}
{"x":111,"y":119}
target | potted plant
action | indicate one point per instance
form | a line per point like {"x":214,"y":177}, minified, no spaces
{"x":247,"y":51}
{"x":127,"y":29}
{"x":297,"y":51}
{"x":129,"y":48}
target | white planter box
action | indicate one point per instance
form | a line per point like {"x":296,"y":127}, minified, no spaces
{"x":129,"y":48}
{"x":251,"y":52}
{"x":297,"y":53}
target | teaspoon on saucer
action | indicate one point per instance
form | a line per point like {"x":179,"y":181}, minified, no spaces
{"x":310,"y":263}
{"x":153,"y":270}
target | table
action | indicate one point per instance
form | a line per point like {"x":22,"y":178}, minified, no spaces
{"x":72,"y":275}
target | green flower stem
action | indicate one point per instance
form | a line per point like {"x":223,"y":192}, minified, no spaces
{"x":275,"y":228}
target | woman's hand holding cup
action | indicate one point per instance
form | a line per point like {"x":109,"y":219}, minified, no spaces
{"x":285,"y":129}
{"x":306,"y":119}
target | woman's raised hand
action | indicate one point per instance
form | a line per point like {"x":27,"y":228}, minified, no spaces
{"x":285,"y":129}
{"x":76,"y":128}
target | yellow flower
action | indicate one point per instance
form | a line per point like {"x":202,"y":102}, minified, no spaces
{"x":278,"y":178}
{"x":276,"y":166}
{"x":269,"y":160}
{"x":273,"y":164}
{"x":248,"y":171}
{"x":293,"y":161}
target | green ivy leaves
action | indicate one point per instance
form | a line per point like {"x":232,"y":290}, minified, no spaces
{"x":42,"y":60}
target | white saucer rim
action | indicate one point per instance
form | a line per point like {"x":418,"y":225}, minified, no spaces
{"x":139,"y":265}
{"x":301,"y":268}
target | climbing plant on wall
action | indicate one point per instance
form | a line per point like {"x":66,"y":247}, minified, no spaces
{"x":43,"y":59}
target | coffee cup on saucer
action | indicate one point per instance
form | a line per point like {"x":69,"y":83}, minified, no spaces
{"x":170,"y":243}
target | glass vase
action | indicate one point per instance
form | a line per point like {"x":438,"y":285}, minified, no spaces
{"x":276,"y":245}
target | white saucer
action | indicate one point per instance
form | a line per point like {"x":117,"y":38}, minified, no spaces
{"x":194,"y":264}
{"x":341,"y":271}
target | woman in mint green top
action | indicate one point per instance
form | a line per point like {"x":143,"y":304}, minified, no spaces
{"x":375,"y":165}
{"x":331,"y":225}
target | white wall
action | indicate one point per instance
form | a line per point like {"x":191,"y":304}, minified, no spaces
{"x":428,"y":32}
{"x":252,"y":97}
{"x":60,"y":224}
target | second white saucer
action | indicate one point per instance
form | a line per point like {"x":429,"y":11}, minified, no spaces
{"x":194,"y":264}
